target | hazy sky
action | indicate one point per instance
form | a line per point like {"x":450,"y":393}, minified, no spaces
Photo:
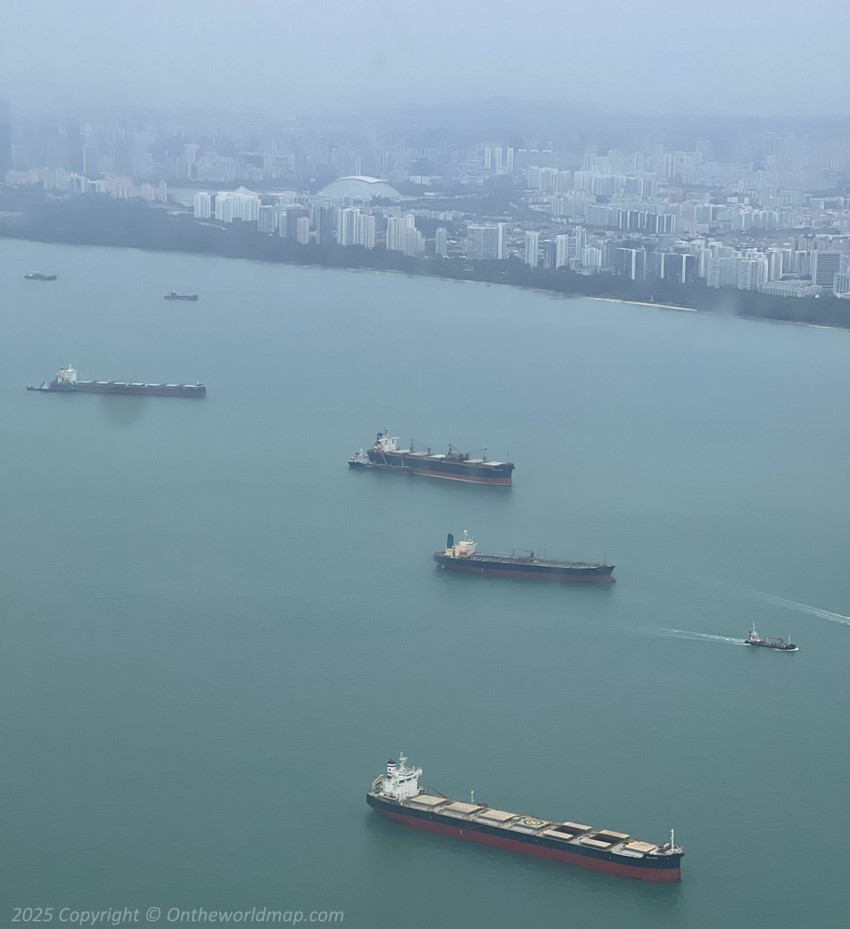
{"x":743,"y":57}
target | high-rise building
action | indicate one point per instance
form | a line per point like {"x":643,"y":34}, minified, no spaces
{"x":841,"y":285}
{"x":397,"y":228}
{"x":302,"y":230}
{"x":247,"y":206}
{"x":346,"y":226}
{"x":224,"y":207}
{"x":631,"y":263}
{"x":485,"y":242}
{"x":824,"y":267}
{"x":266,"y":218}
{"x":325,"y":225}
{"x":752,"y":272}
{"x":441,"y":242}
{"x":366,"y":230}
{"x":532,"y":246}
{"x":202,"y":205}
{"x":722,"y":272}
{"x":581,"y":239}
{"x":292,"y":217}
{"x":413,"y":243}
{"x":590,"y":257}
{"x":562,"y":251}
{"x":549,"y":255}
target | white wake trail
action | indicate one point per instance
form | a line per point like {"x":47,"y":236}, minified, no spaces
{"x":803,"y":608}
{"x":690,"y":635}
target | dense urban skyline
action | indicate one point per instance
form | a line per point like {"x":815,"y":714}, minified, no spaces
{"x":760,"y":58}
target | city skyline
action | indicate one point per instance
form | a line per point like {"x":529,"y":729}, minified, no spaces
{"x":757,"y":60}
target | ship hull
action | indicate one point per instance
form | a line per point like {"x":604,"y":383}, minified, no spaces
{"x":470,"y":472}
{"x":117,"y":387}
{"x":361,"y":465}
{"x":776,"y":648}
{"x":656,"y":870}
{"x":524,"y":569}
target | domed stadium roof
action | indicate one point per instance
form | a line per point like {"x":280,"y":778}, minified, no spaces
{"x":359,"y":188}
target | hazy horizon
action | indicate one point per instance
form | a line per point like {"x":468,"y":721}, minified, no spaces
{"x":759,"y":60}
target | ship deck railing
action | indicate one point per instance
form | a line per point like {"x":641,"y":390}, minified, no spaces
{"x":624,"y":845}
{"x":527,"y":559}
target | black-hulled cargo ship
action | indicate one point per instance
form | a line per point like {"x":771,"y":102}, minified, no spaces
{"x":769,"y":641}
{"x":66,"y":382}
{"x":397,"y":795}
{"x":464,"y":556}
{"x":385,"y":455}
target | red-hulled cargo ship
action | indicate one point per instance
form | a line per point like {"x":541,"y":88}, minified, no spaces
{"x":386,"y":456}
{"x":397,"y":795}
{"x":464,"y":556}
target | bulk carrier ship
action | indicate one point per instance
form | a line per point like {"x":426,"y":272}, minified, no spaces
{"x":397,"y":795}
{"x":464,"y":556}
{"x":66,"y":382}
{"x":385,"y":455}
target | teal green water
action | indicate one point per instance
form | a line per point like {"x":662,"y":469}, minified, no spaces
{"x":215,"y":634}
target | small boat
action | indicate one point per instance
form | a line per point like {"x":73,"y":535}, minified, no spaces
{"x":361,"y":460}
{"x":38,"y":276}
{"x":753,"y":638}
{"x":173,"y":295}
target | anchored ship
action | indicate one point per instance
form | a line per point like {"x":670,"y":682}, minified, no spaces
{"x":66,"y":382}
{"x":385,"y":455}
{"x":173,"y":295}
{"x":464,"y":556}
{"x":397,"y":795}
{"x":38,"y":276}
{"x":753,"y":638}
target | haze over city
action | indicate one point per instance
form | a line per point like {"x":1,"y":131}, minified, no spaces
{"x":467,"y":380}
{"x":756,"y":58}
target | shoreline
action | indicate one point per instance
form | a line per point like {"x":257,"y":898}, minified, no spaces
{"x":665,"y":306}
{"x":424,"y":274}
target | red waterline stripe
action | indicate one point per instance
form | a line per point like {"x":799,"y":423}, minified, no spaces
{"x":467,"y":480}
{"x":661,"y":876}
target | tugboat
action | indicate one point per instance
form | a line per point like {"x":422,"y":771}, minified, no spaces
{"x":38,"y":276}
{"x":173,"y":295}
{"x":361,"y":460}
{"x":753,"y":638}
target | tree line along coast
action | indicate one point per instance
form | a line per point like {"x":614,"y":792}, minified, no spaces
{"x":99,"y":220}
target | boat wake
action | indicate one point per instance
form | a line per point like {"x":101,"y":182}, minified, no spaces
{"x":690,"y":635}
{"x":828,"y":615}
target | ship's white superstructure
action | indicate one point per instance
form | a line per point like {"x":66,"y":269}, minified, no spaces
{"x":400,"y":782}
{"x":386,"y":442}
{"x":463,"y":548}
